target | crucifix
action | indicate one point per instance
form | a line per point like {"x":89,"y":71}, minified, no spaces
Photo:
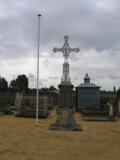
{"x":66,"y":80}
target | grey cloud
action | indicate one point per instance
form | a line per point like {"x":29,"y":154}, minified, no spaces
{"x":52,"y":77}
{"x":31,"y":77}
{"x":85,"y":27}
{"x":102,"y":76}
{"x":13,"y":76}
{"x":74,"y":56}
{"x":113,"y":76}
{"x":46,"y":62}
{"x":1,"y":64}
{"x":75,"y":78}
{"x":1,"y":51}
{"x":33,"y":81}
{"x":94,"y":79}
{"x":112,"y":53}
{"x":43,"y":80}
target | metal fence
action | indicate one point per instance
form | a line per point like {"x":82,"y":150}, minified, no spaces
{"x":26,"y":105}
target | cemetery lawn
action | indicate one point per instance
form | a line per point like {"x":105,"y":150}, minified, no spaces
{"x":21,"y":140}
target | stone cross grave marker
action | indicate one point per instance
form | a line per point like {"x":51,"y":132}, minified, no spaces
{"x":65,"y":111}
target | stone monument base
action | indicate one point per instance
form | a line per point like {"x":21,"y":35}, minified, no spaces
{"x":100,"y":119}
{"x":76,"y":127}
{"x":65,"y":120}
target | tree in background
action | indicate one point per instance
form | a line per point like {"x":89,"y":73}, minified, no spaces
{"x":19,"y":84}
{"x":45,"y":90}
{"x":3,"y":84}
{"x":22,"y":82}
{"x":114,"y":89}
{"x":13,"y":86}
{"x":52,"y":88}
{"x":118,"y":92}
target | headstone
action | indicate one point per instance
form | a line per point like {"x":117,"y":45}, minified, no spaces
{"x":17,"y":100}
{"x":65,"y":112}
{"x":111,"y":110}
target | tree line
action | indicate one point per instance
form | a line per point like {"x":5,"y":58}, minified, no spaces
{"x":19,"y":84}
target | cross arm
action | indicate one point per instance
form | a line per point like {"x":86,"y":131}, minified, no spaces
{"x":58,"y":49}
{"x":74,"y":49}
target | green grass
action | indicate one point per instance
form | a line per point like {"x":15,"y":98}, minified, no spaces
{"x":108,"y":95}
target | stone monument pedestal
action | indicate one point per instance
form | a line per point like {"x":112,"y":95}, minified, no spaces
{"x":65,"y":112}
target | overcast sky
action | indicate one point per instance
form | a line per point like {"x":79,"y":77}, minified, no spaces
{"x":92,"y":25}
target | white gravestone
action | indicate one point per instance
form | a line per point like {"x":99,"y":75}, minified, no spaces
{"x":111,"y":109}
{"x":18,"y":100}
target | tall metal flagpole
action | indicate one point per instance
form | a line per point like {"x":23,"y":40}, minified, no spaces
{"x":37,"y":100}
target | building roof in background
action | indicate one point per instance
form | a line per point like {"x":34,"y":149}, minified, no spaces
{"x":86,"y":76}
{"x":87,"y":85}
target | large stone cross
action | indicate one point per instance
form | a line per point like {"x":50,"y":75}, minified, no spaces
{"x":66,"y":49}
{"x":65,"y":79}
{"x":65,"y":111}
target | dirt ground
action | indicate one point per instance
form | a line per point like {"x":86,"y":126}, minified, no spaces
{"x":20,"y":139}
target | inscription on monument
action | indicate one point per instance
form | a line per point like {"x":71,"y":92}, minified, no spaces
{"x":65,"y":99}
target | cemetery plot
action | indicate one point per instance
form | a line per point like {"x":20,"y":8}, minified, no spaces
{"x":26,"y":105}
{"x":101,"y":115}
